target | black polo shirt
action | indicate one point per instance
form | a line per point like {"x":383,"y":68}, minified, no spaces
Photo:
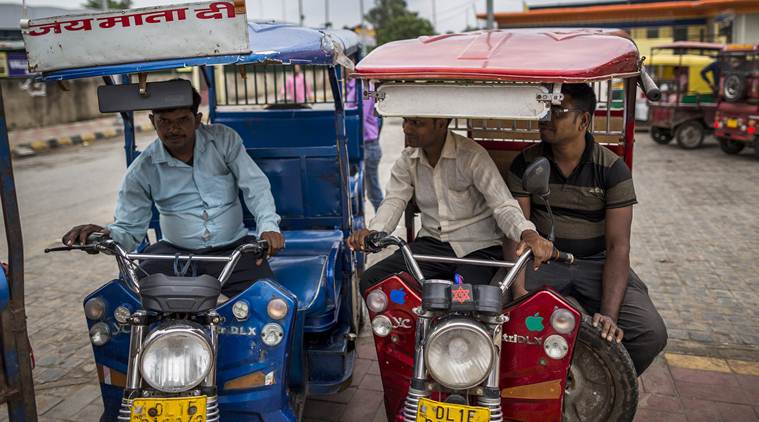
{"x":579,"y":202}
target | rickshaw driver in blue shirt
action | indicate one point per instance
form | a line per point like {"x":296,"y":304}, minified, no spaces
{"x":193,"y":173}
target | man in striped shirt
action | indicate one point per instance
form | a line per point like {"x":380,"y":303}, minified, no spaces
{"x":592,"y":195}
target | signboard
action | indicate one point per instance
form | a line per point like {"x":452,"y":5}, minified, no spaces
{"x":17,"y":64}
{"x":3,"y":65}
{"x":203,"y":29}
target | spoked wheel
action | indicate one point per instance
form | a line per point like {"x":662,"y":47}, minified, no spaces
{"x":731,"y":147}
{"x":690,"y":135}
{"x":601,"y":385}
{"x":661,"y":135}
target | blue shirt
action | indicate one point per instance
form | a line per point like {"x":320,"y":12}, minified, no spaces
{"x":199,"y":204}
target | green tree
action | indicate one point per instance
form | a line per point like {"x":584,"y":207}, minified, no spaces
{"x":112,"y":4}
{"x":393,"y":21}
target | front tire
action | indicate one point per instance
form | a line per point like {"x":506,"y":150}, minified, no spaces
{"x":602,"y":385}
{"x":660,"y":135}
{"x":728,"y":146}
{"x":690,"y":135}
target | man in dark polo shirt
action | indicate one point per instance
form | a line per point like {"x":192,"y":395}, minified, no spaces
{"x":592,"y":196}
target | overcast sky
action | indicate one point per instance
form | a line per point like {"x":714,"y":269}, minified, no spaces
{"x":452,"y":15}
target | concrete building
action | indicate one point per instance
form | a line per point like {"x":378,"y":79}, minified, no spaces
{"x":649,"y":22}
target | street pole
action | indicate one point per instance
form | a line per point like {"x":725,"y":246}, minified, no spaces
{"x":300,"y":12}
{"x":284,"y":10}
{"x":434,"y":15}
{"x":489,"y":23}
{"x":361,"y":10}
{"x":327,"y":23}
{"x":104,"y":4}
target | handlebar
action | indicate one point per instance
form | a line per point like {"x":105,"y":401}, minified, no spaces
{"x":128,"y":265}
{"x":376,"y":241}
{"x":648,"y":85}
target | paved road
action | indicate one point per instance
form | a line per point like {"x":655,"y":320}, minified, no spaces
{"x":694,"y":242}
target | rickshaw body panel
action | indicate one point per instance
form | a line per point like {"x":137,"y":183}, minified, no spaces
{"x":252,"y":377}
{"x":728,"y":118}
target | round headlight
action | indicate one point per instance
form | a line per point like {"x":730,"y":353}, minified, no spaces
{"x":459,"y":354}
{"x":240,"y":310}
{"x":376,"y":301}
{"x":100,"y":334}
{"x":94,"y":308}
{"x":122,"y":314}
{"x":176,"y":359}
{"x":382,"y":326}
{"x":555,"y":346}
{"x":563,"y":321}
{"x":272,"y":334}
{"x":276,"y":309}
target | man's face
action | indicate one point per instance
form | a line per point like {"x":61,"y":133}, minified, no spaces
{"x":564,"y":126}
{"x":176,"y":128}
{"x":422,"y":132}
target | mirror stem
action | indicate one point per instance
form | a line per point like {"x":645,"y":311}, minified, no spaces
{"x":552,"y":233}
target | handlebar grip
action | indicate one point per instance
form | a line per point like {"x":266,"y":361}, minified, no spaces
{"x":648,"y":85}
{"x":373,"y":241}
{"x":563,"y":257}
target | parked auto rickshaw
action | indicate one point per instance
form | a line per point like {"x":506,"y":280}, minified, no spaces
{"x":687,"y":106}
{"x":178,"y":349}
{"x":737,"y":117}
{"x":16,"y":360}
{"x":509,"y":366}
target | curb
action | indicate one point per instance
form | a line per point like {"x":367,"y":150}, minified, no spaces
{"x":31,"y":149}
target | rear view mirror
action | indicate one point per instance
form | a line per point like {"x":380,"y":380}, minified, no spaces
{"x":158,"y":95}
{"x":536,"y":177}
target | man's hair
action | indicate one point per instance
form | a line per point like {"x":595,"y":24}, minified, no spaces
{"x":583,"y":96}
{"x":195,"y":102}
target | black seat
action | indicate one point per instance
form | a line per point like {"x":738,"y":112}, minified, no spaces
{"x":163,"y":293}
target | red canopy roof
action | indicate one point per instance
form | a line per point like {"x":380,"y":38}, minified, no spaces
{"x":538,"y":54}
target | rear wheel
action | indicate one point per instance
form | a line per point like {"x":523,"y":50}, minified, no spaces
{"x":690,"y":135}
{"x":731,"y":147}
{"x":661,"y":135}
{"x":601,"y":385}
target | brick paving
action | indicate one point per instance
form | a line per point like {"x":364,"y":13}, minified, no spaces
{"x":694,"y":243}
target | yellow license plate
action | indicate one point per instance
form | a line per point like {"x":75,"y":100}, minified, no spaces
{"x":434,"y":411}
{"x":732,"y":123}
{"x":183,"y":409}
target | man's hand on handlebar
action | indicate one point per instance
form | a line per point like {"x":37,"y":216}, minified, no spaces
{"x":356,"y":239}
{"x":79,"y":234}
{"x":276,"y":243}
{"x":542,"y":249}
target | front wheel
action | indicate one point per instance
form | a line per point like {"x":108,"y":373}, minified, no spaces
{"x":690,"y":135}
{"x":660,"y":135}
{"x":601,"y":385}
{"x":731,"y":147}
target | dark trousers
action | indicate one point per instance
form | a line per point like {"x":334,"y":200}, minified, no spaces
{"x":645,"y":334}
{"x":472,"y":274}
{"x":245,"y":273}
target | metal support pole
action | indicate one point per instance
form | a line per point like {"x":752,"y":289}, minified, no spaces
{"x":327,"y":23}
{"x":104,"y":4}
{"x":361,"y":11}
{"x":15,"y":341}
{"x":434,"y":15}
{"x":489,"y":23}
{"x":301,"y":17}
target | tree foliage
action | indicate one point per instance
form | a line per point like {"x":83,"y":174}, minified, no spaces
{"x":393,"y":21}
{"x":112,"y":4}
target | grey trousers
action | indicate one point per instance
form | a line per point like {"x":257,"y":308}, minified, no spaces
{"x":645,"y":334}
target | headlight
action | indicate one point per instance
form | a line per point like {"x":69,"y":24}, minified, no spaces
{"x":240,"y":310}
{"x":459,"y":354}
{"x":563,"y":321}
{"x":100,"y":334}
{"x":122,"y":314}
{"x":94,"y":308}
{"x":276,"y":309}
{"x":376,"y":301}
{"x":272,"y":334}
{"x":176,"y":359}
{"x":555,"y":347}
{"x":382,"y":326}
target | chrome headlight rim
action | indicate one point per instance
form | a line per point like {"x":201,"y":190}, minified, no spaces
{"x":173,"y":329}
{"x":459,"y":324}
